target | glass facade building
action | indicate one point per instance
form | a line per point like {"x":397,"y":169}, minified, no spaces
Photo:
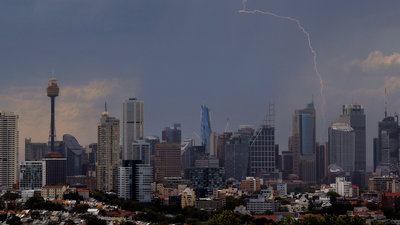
{"x":31,"y":175}
{"x":206,"y":127}
{"x":342,"y":146}
{"x":172,"y":134}
{"x":388,"y":143}
{"x":34,"y":151}
{"x":73,"y":152}
{"x":206,"y":179}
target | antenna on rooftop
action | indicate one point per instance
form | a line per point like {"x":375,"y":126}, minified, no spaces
{"x":385,"y":104}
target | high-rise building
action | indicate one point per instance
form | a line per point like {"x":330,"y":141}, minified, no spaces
{"x":167,"y":160}
{"x":108,"y":151}
{"x":237,"y":153}
{"x":9,"y":139}
{"x":135,"y":181}
{"x":55,"y":168}
{"x":302,"y":141}
{"x":222,"y":139}
{"x":132,"y":124}
{"x":172,"y":134}
{"x":214,"y":143}
{"x":205,"y":179}
{"x":187,"y":153}
{"x":73,"y":152}
{"x":52,"y":92}
{"x":152,"y":140}
{"x":354,"y":116}
{"x":342,"y":146}
{"x":206,"y":127}
{"x":34,"y":151}
{"x":32,"y":175}
{"x":141,"y":151}
{"x":388,"y":143}
{"x":262,"y":146}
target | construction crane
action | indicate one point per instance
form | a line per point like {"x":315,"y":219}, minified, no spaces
{"x":227,"y":126}
{"x":196,"y":133}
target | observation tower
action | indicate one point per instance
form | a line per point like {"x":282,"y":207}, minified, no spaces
{"x":52,"y":92}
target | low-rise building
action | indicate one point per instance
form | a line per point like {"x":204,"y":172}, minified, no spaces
{"x":251,"y":184}
{"x":55,"y":192}
{"x":258,"y":204}
{"x":188,"y":197}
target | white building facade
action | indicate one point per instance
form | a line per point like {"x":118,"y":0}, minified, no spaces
{"x":132,"y":124}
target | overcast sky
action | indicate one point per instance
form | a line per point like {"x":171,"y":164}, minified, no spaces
{"x":175,"y":54}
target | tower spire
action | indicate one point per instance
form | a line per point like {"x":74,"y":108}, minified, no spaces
{"x":385,"y":104}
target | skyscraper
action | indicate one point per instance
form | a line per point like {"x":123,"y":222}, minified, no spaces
{"x":206,"y":127}
{"x":262,"y":146}
{"x":141,"y":151}
{"x":32,"y":175}
{"x":34,"y":151}
{"x":302,"y":141}
{"x":388,"y":143}
{"x":342,"y":146}
{"x":108,"y":151}
{"x":9,"y":137}
{"x":172,"y":134}
{"x":73,"y":152}
{"x":167,"y":160}
{"x":55,"y":168}
{"x":132,"y":124}
{"x":52,"y":92}
{"x":354,"y":116}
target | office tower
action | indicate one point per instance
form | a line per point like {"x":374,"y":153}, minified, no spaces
{"x":302,"y":140}
{"x":342,"y":146}
{"x":172,"y":134}
{"x":167,"y":160}
{"x":152,"y":140}
{"x":52,"y":92}
{"x":287,"y":164}
{"x":376,"y":153}
{"x":205,"y":179}
{"x":9,"y":139}
{"x":388,"y":143}
{"x":237,"y":153}
{"x":91,"y":150}
{"x":108,"y":151}
{"x":141,"y":151}
{"x":55,"y":168}
{"x":222,"y":139}
{"x":132,"y":124}
{"x":187,"y":153}
{"x":73,"y":152}
{"x":206,"y":127}
{"x":322,"y":163}
{"x":32,"y":175}
{"x":214,"y":143}
{"x":354,"y":116}
{"x":262,"y":145}
{"x":135,"y":181}
{"x":34,"y":151}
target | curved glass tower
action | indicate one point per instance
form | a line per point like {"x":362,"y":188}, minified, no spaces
{"x":73,"y":152}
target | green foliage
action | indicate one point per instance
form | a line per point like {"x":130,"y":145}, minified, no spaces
{"x":82,"y":208}
{"x":313,"y":220}
{"x":15,"y":220}
{"x":35,"y":215}
{"x":226,"y":217}
{"x":268,"y":212}
{"x":73,"y":196}
{"x":256,"y":192}
{"x":372,"y":206}
{"x":332,"y":195}
{"x":151,"y":216}
{"x":10,"y":196}
{"x":96,"y":221}
{"x":32,"y":200}
{"x":231,"y":202}
{"x":131,"y":206}
{"x":115,"y":201}
{"x":47,"y":206}
{"x":99,"y":196}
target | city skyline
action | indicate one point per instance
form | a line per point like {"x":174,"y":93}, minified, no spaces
{"x":172,"y":55}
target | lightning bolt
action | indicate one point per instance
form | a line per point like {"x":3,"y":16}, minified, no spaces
{"x":309,"y":45}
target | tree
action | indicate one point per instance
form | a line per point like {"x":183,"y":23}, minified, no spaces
{"x":231,"y":202}
{"x":226,"y":217}
{"x":32,"y":200}
{"x":371,"y":206}
{"x":332,"y":196}
{"x":82,"y":208}
{"x":268,"y":212}
{"x":10,"y":196}
{"x":96,"y":221}
{"x":99,"y":197}
{"x":73,"y":196}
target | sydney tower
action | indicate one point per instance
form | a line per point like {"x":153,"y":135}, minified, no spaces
{"x":52,"y":92}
